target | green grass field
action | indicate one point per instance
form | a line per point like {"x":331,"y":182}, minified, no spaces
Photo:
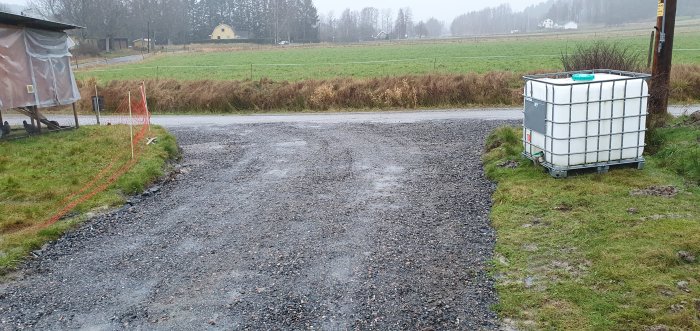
{"x":515,"y":54}
{"x":37,"y":174}
{"x":585,"y":253}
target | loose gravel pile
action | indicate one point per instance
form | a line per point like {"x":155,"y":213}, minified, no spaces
{"x":283,"y":226}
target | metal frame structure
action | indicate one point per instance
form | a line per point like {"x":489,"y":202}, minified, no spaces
{"x":35,"y":68}
{"x":559,"y":171}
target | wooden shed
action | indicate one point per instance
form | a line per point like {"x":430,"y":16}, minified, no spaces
{"x":35,"y":66}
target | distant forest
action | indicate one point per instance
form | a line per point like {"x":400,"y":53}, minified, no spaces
{"x":185,"y":21}
{"x":503,"y":19}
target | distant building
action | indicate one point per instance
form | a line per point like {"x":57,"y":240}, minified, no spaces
{"x":142,"y":44}
{"x":108,"y":44}
{"x":571,"y":26}
{"x":223,"y":31}
{"x":547,"y":24}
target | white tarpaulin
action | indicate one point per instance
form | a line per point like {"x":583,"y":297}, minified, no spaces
{"x":35,"y":68}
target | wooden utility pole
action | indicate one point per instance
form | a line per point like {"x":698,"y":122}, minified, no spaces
{"x":661,"y":69}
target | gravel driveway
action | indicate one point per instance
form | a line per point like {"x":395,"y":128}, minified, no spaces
{"x":284,"y":226}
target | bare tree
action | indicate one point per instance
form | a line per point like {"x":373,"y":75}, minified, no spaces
{"x":408,"y":21}
{"x":328,"y":27}
{"x":369,"y":23}
{"x":386,"y":23}
{"x":434,"y":27}
{"x":347,"y":26}
{"x":400,"y":27}
{"x":421,"y":30}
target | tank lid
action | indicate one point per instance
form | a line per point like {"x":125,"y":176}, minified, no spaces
{"x":583,"y":77}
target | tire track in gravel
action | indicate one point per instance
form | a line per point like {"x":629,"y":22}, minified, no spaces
{"x":284,"y":226}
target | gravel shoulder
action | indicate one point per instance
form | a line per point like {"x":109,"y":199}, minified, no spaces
{"x":284,"y":226}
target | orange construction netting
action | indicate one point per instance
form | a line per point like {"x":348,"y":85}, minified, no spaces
{"x":133,"y":111}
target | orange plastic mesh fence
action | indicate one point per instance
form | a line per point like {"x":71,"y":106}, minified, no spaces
{"x":139,"y":118}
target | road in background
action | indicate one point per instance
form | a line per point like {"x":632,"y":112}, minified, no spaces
{"x":501,"y":114}
{"x":107,"y":61}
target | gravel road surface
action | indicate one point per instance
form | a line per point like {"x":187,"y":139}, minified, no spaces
{"x":330,"y":226}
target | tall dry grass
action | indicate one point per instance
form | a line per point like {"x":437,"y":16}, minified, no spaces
{"x":685,"y":83}
{"x":429,"y":91}
{"x":175,"y":96}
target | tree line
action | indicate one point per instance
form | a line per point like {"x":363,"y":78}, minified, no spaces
{"x":372,"y":23}
{"x":502,"y":19}
{"x":185,"y":21}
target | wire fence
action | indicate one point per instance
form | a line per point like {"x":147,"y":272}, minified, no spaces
{"x":322,"y":70}
{"x":132,"y":114}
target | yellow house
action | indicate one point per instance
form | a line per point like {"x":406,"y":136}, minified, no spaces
{"x":223,"y":31}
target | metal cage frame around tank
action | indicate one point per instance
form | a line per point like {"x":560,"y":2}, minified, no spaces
{"x":600,"y":166}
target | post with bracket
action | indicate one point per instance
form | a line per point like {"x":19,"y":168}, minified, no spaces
{"x":661,"y":69}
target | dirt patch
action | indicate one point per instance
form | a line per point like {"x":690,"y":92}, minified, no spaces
{"x":695,"y":117}
{"x":686,"y":256}
{"x":657,"y":191}
{"x":510,"y":164}
{"x":564,"y":207}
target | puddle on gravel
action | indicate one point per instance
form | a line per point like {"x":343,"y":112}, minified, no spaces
{"x":205,"y":147}
{"x":294,"y":143}
{"x":278,"y":173}
{"x":386,"y":179}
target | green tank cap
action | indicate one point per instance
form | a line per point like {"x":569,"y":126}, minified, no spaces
{"x":583,"y":77}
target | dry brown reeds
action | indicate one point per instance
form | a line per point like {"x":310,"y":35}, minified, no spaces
{"x":685,"y":83}
{"x":429,"y":91}
{"x":174,"y":96}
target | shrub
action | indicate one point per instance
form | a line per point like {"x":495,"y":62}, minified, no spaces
{"x":86,"y":49}
{"x":603,"y":55}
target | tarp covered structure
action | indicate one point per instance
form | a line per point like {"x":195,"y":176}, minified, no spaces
{"x":35,"y":68}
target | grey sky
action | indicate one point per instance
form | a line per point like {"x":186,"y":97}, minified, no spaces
{"x":444,"y":10}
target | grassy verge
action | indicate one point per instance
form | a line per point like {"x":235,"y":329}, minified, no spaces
{"x":38,"y":173}
{"x":586,"y":253}
{"x":427,"y":91}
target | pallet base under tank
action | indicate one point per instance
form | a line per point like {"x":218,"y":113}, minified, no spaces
{"x":601,"y":168}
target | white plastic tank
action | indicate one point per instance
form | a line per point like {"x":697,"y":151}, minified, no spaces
{"x":601,"y":120}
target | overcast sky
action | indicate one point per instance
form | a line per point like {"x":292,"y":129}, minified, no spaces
{"x":444,"y":10}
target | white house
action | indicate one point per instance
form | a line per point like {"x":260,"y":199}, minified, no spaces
{"x":547,"y":24}
{"x":571,"y":26}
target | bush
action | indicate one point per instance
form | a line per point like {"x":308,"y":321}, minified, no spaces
{"x":86,"y":49}
{"x":603,"y":55}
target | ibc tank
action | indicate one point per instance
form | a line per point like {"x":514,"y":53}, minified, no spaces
{"x":575,"y":124}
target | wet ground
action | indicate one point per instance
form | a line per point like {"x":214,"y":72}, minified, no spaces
{"x":335,"y":226}
{"x":398,"y":116}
